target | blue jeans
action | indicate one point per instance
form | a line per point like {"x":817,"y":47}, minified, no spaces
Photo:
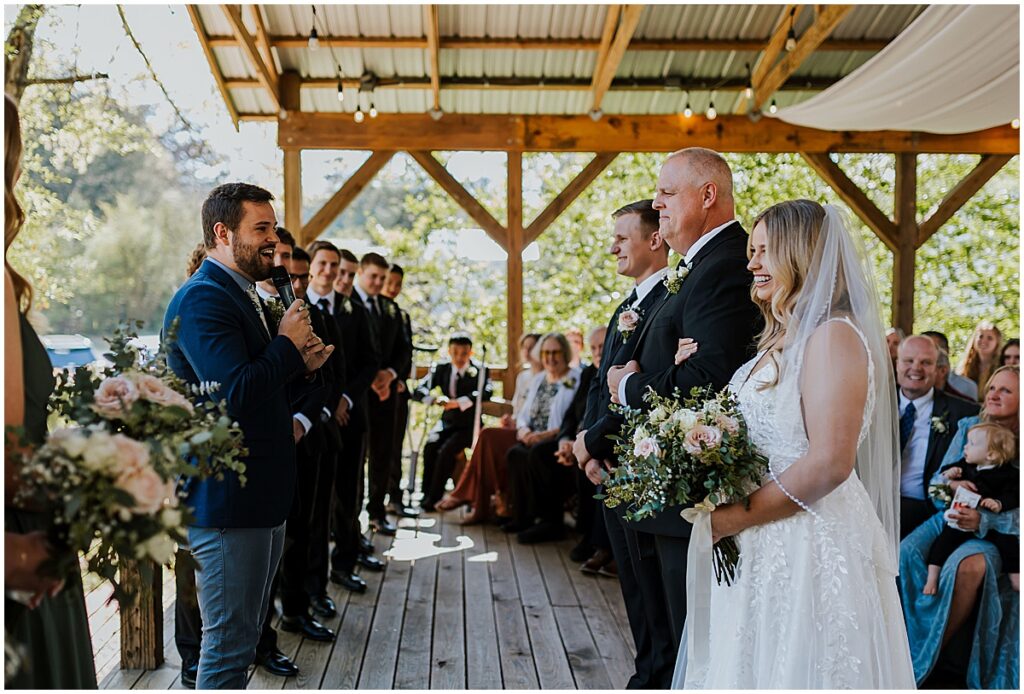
{"x":236,"y":568}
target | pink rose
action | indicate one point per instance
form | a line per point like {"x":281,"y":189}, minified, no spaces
{"x":156,"y":391}
{"x":646,"y":447}
{"x":628,"y":320}
{"x":148,"y":489}
{"x":701,"y":438}
{"x":727,"y":423}
{"x":114,"y":397}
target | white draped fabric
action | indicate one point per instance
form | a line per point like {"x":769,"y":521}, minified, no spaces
{"x":956,"y":69}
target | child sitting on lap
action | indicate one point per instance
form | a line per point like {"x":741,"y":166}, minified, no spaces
{"x":985,"y":468}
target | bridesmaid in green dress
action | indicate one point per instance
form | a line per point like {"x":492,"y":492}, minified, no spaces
{"x":54,"y":637}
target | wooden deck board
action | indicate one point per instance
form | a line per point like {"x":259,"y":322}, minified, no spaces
{"x":457,"y":607}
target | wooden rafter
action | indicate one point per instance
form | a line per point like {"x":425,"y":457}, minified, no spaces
{"x":572,"y":191}
{"x":263,"y":38}
{"x":766,"y":61}
{"x":266,"y":75}
{"x":988,"y":167}
{"x":514,"y":263}
{"x":611,"y":23}
{"x":649,"y":133}
{"x":825,"y":22}
{"x":211,"y":59}
{"x":853,"y":196}
{"x":491,"y":226}
{"x":549,"y":44}
{"x":605,"y":71}
{"x":903,"y":257}
{"x":434,"y":49}
{"x":345,"y":195}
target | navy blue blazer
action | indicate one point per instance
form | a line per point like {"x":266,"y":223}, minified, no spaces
{"x":220,"y":338}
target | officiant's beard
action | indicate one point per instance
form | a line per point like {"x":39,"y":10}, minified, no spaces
{"x":249,"y":260}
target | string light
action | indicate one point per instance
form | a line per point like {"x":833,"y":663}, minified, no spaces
{"x":773,"y":108}
{"x":711,"y":113}
{"x":314,"y":39}
{"x":341,"y":92}
{"x":373,"y":109}
{"x":791,"y":36}
{"x":1015,"y":124}
{"x":359,"y":116}
{"x":749,"y":91}
{"x":688,"y":112}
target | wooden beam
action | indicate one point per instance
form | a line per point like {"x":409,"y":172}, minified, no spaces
{"x":572,"y":191}
{"x":266,"y":77}
{"x":611,"y":23}
{"x":263,"y":38}
{"x":514,"y":284}
{"x":904,"y":256}
{"x":211,"y":59}
{"x":345,"y":195}
{"x":466,"y":201}
{"x":142,"y":623}
{"x":824,"y":23}
{"x":988,"y":167}
{"x":549,"y":44}
{"x":605,"y":72}
{"x":293,"y":194}
{"x":615,"y":133}
{"x":766,"y":61}
{"x":854,"y":197}
{"x":434,"y":49}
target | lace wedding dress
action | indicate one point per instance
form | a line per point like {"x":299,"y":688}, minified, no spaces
{"x":814,"y":604}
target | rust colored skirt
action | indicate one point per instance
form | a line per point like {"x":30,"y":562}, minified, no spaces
{"x":486,"y":473}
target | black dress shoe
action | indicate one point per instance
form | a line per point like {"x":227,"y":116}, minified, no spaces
{"x":542,"y":532}
{"x":189,"y":672}
{"x":277,"y":663}
{"x":308,"y":627}
{"x":514,"y":527}
{"x":348,"y":581}
{"x":323,"y":606}
{"x":383,"y":526}
{"x":370,"y":563}
{"x":366,"y":545}
{"x":403,"y":511}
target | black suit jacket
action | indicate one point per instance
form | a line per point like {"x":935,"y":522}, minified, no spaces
{"x":1001,"y":483}
{"x":600,"y":421}
{"x":573,"y":420}
{"x":465,"y":386}
{"x":395,"y":352}
{"x":361,"y":353}
{"x":713,"y":307}
{"x":951,"y":410}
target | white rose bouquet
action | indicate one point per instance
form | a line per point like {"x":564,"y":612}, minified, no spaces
{"x":113,"y":500}
{"x":695,"y":453}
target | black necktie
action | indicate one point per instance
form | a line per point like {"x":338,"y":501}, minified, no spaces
{"x":907,"y":424}
{"x":373,"y":307}
{"x":630,"y":300}
{"x":324,"y":306}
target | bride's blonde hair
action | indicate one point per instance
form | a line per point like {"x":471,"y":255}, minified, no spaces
{"x":792,"y":234}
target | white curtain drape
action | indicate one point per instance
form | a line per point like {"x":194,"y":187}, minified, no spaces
{"x":955,"y":69}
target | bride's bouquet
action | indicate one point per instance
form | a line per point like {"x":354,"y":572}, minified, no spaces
{"x":123,"y":437}
{"x":694,"y":453}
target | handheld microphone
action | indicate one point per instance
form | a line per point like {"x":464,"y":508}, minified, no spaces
{"x":284,"y":285}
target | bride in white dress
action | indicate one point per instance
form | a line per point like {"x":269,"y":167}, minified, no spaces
{"x":814,"y":604}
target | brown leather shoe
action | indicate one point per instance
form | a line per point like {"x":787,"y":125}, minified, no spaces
{"x":450,"y":503}
{"x":596,"y":561}
{"x":609,"y":569}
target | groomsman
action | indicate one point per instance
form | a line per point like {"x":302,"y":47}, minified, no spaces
{"x":708,"y":301}
{"x":392,"y":288}
{"x":329,"y":268}
{"x":395,"y":354}
{"x":640,"y":253}
{"x":223,"y":334}
{"x":458,"y":382}
{"x":928,"y":418}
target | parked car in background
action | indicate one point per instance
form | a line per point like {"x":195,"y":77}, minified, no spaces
{"x":69,"y":351}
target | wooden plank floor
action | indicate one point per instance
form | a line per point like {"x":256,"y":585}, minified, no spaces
{"x":457,"y":607}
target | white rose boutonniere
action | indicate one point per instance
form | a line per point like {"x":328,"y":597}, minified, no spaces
{"x":472,"y":372}
{"x":390,"y":308}
{"x":346,"y":304}
{"x":276,"y":309}
{"x":628,"y":322}
{"x":569,"y":382}
{"x":939,"y":425}
{"x":674,"y":279}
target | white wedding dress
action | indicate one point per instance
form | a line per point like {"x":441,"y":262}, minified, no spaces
{"x":814,"y":604}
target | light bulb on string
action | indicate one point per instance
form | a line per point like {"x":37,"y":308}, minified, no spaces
{"x":688,"y":112}
{"x":711,"y":113}
{"x":314,"y":39}
{"x":373,"y":110}
{"x":359,"y":116}
{"x":773,"y":108}
{"x":1015,"y":124}
{"x":341,"y":92}
{"x":791,"y":36}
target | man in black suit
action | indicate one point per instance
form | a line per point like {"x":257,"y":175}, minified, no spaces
{"x":642,"y":254}
{"x":392,"y":289}
{"x":928,"y":418}
{"x":339,"y":496}
{"x":458,"y":382}
{"x":708,"y":301}
{"x":395,"y":354}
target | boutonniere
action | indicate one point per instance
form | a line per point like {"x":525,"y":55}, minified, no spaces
{"x":390,"y":308}
{"x":939,"y":425}
{"x":276,"y":309}
{"x":674,"y":279}
{"x":472,"y":372}
{"x":628,"y":322}
{"x":569,"y":382}
{"x":346,"y":304}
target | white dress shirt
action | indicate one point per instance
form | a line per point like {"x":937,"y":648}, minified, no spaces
{"x":912,"y":466}
{"x":315,"y":298}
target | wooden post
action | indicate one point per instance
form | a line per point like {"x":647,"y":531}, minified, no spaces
{"x":515,"y":266}
{"x":903,"y":258}
{"x":142,"y":624}
{"x":289,"y":84}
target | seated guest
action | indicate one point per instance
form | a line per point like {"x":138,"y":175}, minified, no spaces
{"x":538,"y":482}
{"x":458,"y":381}
{"x":484,"y":476}
{"x":953,"y":383}
{"x":988,"y":451}
{"x":575,"y":338}
{"x":982,"y":356}
{"x":1010,"y":356}
{"x":893,"y":338}
{"x":927,"y":417}
{"x":976,"y":611}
